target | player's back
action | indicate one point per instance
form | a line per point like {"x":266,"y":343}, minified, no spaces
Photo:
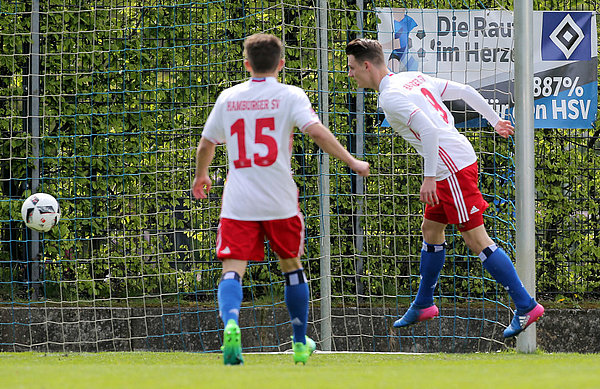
{"x":256,"y":120}
{"x":425,"y":93}
{"x":404,"y":94}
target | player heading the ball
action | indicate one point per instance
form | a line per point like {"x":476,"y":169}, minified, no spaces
{"x":256,"y":121}
{"x":413,"y":105}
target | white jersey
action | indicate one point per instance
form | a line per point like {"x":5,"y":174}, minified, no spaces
{"x":405,"y":96}
{"x":256,"y":119}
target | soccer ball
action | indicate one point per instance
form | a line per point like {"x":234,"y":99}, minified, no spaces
{"x":40,"y":212}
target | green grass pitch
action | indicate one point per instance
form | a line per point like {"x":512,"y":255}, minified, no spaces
{"x":324,"y":370}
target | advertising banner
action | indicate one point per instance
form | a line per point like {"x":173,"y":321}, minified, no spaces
{"x":475,"y":47}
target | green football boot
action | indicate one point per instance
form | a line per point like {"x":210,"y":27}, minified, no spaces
{"x":303,"y":351}
{"x":232,"y":344}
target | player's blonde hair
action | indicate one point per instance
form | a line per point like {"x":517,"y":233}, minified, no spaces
{"x":263,"y":51}
{"x":366,"y":50}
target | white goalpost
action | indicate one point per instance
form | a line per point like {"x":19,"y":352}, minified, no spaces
{"x":525,"y":160}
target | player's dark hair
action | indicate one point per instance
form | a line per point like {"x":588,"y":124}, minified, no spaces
{"x":366,"y":50}
{"x":263,"y":51}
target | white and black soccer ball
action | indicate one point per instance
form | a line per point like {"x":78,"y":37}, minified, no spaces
{"x":40,"y":212}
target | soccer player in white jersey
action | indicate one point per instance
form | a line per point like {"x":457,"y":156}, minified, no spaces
{"x":412,"y":103}
{"x":256,"y":121}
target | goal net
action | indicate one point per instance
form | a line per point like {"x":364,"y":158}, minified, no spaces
{"x":102,"y":105}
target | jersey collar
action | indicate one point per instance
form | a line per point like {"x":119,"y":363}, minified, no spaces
{"x":385,"y":81}
{"x":260,"y":80}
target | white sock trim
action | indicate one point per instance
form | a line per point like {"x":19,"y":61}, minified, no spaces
{"x":486,"y":252}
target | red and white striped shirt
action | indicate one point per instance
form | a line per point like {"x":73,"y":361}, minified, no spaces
{"x":412,"y":102}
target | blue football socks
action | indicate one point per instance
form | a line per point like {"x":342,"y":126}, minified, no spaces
{"x":497,"y":263}
{"x":296,"y":299}
{"x":230,"y":296}
{"x":432,"y":261}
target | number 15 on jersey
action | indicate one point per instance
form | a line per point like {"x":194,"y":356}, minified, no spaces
{"x":239,"y":128}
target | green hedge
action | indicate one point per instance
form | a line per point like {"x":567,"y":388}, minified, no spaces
{"x":125,"y":92}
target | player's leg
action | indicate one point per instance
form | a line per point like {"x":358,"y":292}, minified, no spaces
{"x":296,"y":296}
{"x":465,"y":209}
{"x":229,"y":296}
{"x":499,"y":265}
{"x":433,"y":254}
{"x":237,"y":242}
{"x":297,"y":299}
{"x":287,"y":239}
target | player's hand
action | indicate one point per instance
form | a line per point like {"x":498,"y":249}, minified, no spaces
{"x":360,"y":167}
{"x":428,"y":191}
{"x":504,"y":128}
{"x":198,"y":186}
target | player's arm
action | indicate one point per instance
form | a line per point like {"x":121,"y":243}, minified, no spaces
{"x":455,"y":91}
{"x":421,"y":123}
{"x":328,"y":143}
{"x":402,"y":111}
{"x":204,"y":156}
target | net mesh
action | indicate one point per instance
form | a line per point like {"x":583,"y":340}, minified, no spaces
{"x":124,"y":90}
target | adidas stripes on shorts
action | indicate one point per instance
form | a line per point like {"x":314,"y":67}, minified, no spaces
{"x":461,"y":202}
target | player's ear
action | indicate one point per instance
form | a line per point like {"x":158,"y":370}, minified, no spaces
{"x":280,"y":65}
{"x":247,"y":65}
